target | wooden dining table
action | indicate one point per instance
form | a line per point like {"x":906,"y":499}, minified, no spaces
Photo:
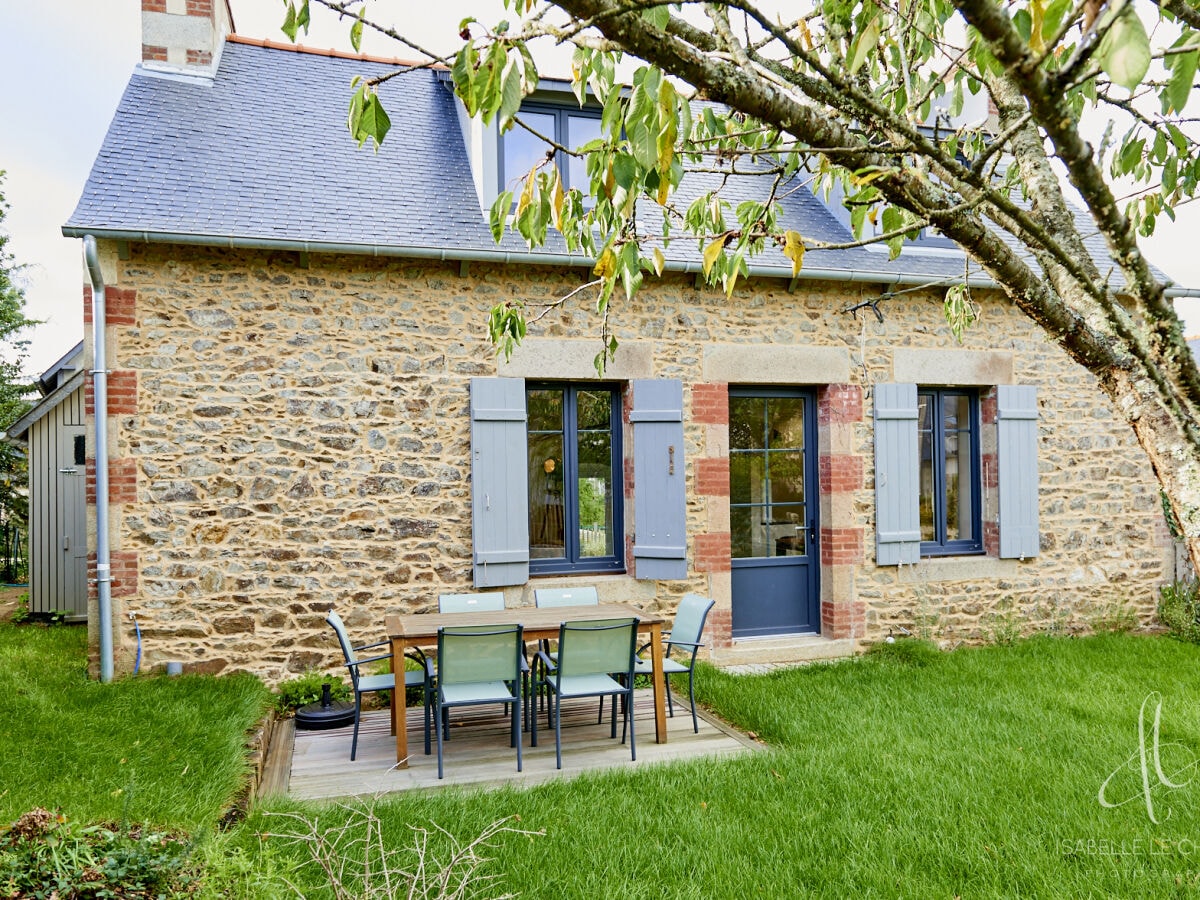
{"x":421,"y":630}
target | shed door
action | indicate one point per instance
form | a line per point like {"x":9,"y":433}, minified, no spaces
{"x":72,"y":539}
{"x":773,"y":512}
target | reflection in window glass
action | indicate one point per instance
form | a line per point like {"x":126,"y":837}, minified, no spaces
{"x":523,"y":150}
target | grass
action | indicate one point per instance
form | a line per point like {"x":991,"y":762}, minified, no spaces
{"x":166,"y":751}
{"x":905,"y":773}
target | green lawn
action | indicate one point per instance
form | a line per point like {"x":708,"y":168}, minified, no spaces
{"x":907,"y":773}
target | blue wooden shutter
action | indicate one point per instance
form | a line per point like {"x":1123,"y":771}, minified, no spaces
{"x":897,"y":490}
{"x":1016,"y":458}
{"x":659,"y":489}
{"x":499,"y":478}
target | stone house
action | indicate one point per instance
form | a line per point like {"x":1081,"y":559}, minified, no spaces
{"x":303,"y":410}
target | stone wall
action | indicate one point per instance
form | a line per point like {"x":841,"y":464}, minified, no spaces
{"x":292,"y":434}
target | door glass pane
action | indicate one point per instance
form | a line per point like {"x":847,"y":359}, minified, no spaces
{"x":785,"y":422}
{"x":926,"y":448}
{"x":788,"y":533}
{"x":739,"y":522}
{"x":746,"y":423}
{"x":787,"y":476}
{"x":580,"y":130}
{"x":960,"y":516}
{"x":547,"y":538}
{"x":522,"y":149}
{"x":747,"y":478}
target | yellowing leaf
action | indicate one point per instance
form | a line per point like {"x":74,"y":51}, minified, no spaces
{"x":527,"y":191}
{"x":558,"y":199}
{"x":606,"y":265}
{"x":864,"y":45}
{"x":712,"y":252}
{"x":1037,"y":17}
{"x":659,"y":262}
{"x":793,"y":249}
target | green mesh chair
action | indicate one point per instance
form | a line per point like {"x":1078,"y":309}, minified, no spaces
{"x":545,"y":598}
{"x":365,"y":684}
{"x":589,"y":653}
{"x":685,"y":634}
{"x":476,"y":666}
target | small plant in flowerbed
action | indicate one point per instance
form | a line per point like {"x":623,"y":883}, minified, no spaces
{"x":44,"y":854}
{"x":306,"y":689}
{"x":1179,"y":609}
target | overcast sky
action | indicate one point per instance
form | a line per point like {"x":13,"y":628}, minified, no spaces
{"x":64,"y":65}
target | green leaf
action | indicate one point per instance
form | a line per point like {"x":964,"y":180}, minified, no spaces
{"x":510,"y":95}
{"x":1124,"y":53}
{"x":499,"y":214}
{"x":356,"y":31}
{"x":865,"y":44}
{"x":1179,"y":85}
{"x":290,"y":25}
{"x":372,"y":120}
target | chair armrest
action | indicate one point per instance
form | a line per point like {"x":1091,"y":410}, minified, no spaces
{"x":369,"y":659}
{"x":685,"y":644}
{"x":430,"y":667}
{"x":546,"y":660}
{"x":369,"y":646}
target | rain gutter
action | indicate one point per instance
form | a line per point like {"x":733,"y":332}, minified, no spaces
{"x":100,"y":401}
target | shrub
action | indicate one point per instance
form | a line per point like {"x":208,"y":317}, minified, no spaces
{"x":307,"y":689}
{"x":907,"y":652}
{"x":1179,"y":609}
{"x":43,"y":854}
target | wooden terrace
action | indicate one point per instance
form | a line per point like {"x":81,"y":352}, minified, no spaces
{"x":315,"y":765}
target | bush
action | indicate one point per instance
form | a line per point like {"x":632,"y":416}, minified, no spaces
{"x":307,"y":689}
{"x":1179,"y":609}
{"x":43,"y":854}
{"x":907,"y":652}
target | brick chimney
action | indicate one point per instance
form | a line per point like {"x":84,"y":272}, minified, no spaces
{"x":184,"y":35}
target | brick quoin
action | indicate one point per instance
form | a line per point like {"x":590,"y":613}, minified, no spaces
{"x":199,"y":7}
{"x":840,"y":474}
{"x":987,"y":408}
{"x":841,"y":546}
{"x":991,"y":538}
{"x":122,"y":394}
{"x":122,"y":481}
{"x":840,"y":403}
{"x":843,"y":620}
{"x":159,"y":6}
{"x":157,"y":54}
{"x":991,"y":470}
{"x":627,"y":465}
{"x":712,"y":477}
{"x":120,"y":305}
{"x":123,"y":573}
{"x":199,"y":57}
{"x":713,"y":552}
{"x":710,"y":404}
{"x":720,"y":627}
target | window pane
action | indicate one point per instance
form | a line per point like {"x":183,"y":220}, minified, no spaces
{"x":926,"y":448}
{"x":787,"y":476}
{"x":740,"y":543}
{"x":547,"y":539}
{"x":746,"y":481}
{"x":960,"y":514}
{"x":522,"y":150}
{"x":787,"y":531}
{"x":580,"y":130}
{"x":747,"y":423}
{"x":595,"y":494}
{"x":785,"y":422}
{"x":594,"y":410}
{"x":544,"y":410}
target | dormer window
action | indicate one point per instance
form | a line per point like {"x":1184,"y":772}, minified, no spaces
{"x":567,"y":126}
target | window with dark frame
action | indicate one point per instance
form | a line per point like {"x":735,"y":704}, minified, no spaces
{"x":950,"y":491}
{"x":568,"y":126}
{"x":575,"y":490}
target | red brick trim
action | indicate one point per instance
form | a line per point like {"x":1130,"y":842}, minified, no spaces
{"x":720,"y":627}
{"x":120,"y":305}
{"x":152,"y":53}
{"x":840,"y":474}
{"x":122,"y":481}
{"x":712,"y":477}
{"x":839,"y":403}
{"x":841,"y":546}
{"x":843,"y":620}
{"x":710,"y":403}
{"x":123,"y":573}
{"x":122,"y":393}
{"x":713,"y":552}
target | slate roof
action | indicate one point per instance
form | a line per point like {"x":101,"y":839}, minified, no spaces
{"x":261,"y":154}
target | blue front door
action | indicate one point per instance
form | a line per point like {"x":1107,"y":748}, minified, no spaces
{"x":773,"y":511}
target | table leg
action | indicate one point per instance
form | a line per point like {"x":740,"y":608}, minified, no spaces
{"x":660,"y":685}
{"x":399,"y":713}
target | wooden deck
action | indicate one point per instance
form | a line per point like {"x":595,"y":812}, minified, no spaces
{"x":315,"y":765}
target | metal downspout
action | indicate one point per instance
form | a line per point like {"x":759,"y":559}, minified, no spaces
{"x":100,"y":401}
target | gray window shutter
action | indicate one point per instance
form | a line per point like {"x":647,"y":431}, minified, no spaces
{"x":1016,"y":459}
{"x":499,"y":478}
{"x":897,"y":491}
{"x":659,"y":489}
